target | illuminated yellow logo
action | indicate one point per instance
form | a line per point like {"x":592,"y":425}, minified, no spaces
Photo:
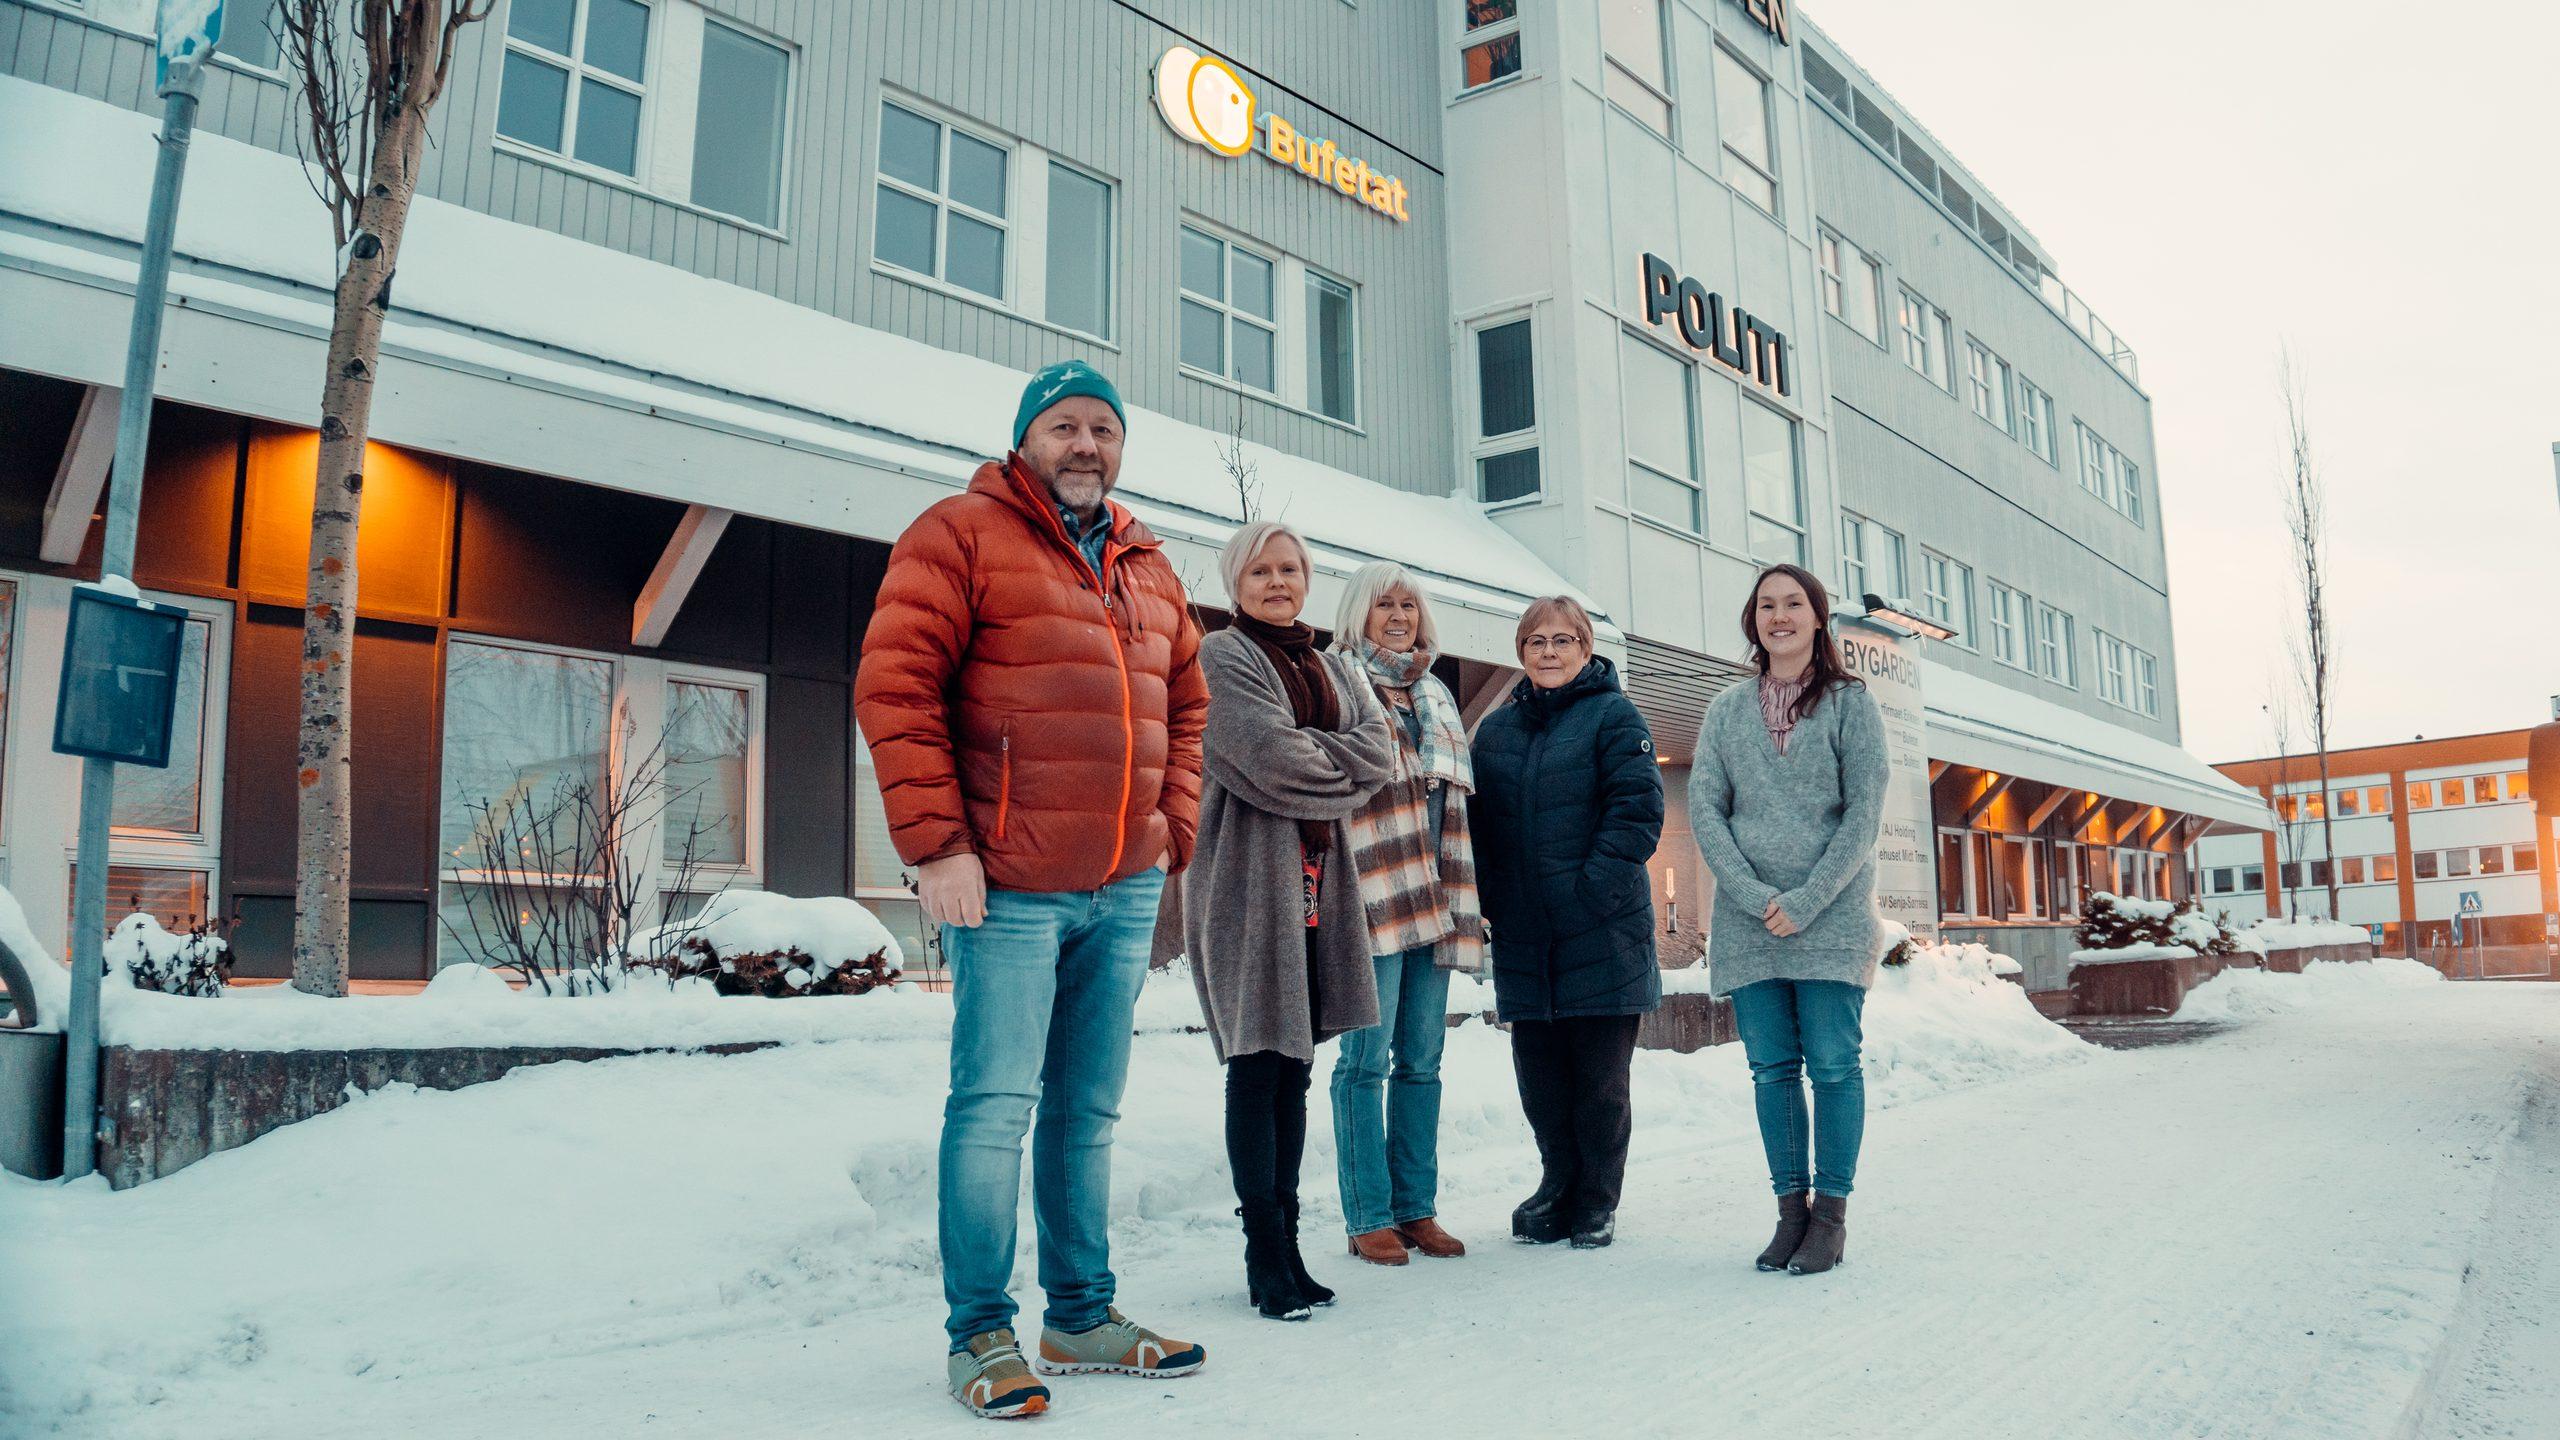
{"x":1207,"y":103}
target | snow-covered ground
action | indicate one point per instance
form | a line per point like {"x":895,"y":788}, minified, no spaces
{"x":2262,"y":1233}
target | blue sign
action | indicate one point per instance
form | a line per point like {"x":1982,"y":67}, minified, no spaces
{"x":2470,"y":902}
{"x":119,"y":695}
{"x":189,"y":29}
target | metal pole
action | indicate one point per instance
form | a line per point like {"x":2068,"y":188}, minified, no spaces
{"x":124,"y":513}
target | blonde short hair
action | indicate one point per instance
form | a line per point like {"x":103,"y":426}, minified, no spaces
{"x":1555,"y":609}
{"x":1381,"y":577}
{"x":1248,"y":542}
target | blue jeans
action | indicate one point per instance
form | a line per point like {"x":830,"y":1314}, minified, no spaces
{"x":1390,"y":1168}
{"x":1793,"y":1030}
{"x":1043,"y":996}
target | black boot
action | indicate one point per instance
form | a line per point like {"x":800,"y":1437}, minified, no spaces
{"x":1793,"y":1216}
{"x":1308,"y":1289}
{"x":1540,"y":1219}
{"x":1826,"y":1239}
{"x":1270,"y":1287}
{"x":1594,"y":1228}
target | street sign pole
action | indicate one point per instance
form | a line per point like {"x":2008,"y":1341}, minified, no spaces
{"x":180,"y":85}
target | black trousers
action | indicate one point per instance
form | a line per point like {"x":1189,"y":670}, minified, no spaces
{"x":1266,"y":1127}
{"x":1573,"y":1085}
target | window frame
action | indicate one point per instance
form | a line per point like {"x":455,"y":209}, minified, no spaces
{"x":1727,"y":155}
{"x":1669,"y":129}
{"x":1923,"y":353}
{"x":1951,"y":606}
{"x":1987,"y":386}
{"x":783,"y":168}
{"x":2036,"y":421}
{"x":1832,"y":257}
{"x":2062,"y":647}
{"x":1475,"y":37}
{"x":2015,"y":629}
{"x":579,"y":71}
{"x":1008,"y":224}
{"x":1802,"y":526}
{"x":1481,"y":446}
{"x":1694,"y":482}
{"x":1311,"y":277}
{"x":198,"y":851}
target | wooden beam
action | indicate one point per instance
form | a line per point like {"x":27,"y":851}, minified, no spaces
{"x":2091,"y":802}
{"x":2135,"y":821}
{"x":1488,"y":695}
{"x":1989,"y":797}
{"x":2044,"y":810}
{"x":81,"y":479}
{"x":688,"y":550}
{"x":1938,"y":768}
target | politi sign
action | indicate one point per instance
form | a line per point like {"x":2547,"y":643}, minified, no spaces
{"x":1206,"y":102}
{"x":1738,"y":340}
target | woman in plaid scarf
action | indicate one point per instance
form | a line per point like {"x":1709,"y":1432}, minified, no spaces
{"x":1410,"y":847}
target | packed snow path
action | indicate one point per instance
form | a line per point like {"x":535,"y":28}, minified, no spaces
{"x":2261,"y":1233}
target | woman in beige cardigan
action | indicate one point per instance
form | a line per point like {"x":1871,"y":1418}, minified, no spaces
{"x":1271,"y":908}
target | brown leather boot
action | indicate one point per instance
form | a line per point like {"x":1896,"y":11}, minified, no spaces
{"x":1793,"y":1216}
{"x":1379,"y":1247}
{"x":1826,"y":1240}
{"x":1426,"y":1236}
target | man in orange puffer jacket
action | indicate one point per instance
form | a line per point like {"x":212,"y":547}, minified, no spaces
{"x":1032,"y":695}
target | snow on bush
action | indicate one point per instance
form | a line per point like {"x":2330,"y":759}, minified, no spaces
{"x":145,"y":955}
{"x":753,"y":942}
{"x":2249,"y":994}
{"x":2115,"y":927}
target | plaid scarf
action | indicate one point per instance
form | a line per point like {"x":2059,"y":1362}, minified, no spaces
{"x":1419,"y":894}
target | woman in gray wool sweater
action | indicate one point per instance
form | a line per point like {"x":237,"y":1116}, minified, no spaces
{"x":1785,"y":798}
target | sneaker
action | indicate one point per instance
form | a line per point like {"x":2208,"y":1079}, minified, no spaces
{"x":1117,"y":1347}
{"x":990,"y":1378}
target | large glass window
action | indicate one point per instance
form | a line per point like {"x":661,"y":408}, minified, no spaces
{"x":1637,"y":74}
{"x":1229,"y":327}
{"x":2115,"y":669}
{"x":1946,"y":595}
{"x":2035,"y":419}
{"x":1773,"y":479}
{"x":1333,"y":376}
{"x":2008,"y":625}
{"x":250,"y":33}
{"x":1079,"y":251}
{"x":2056,"y":656}
{"x":1852,"y":286}
{"x":165,"y":826}
{"x":1506,"y":448}
{"x":1926,"y":335}
{"x":171,"y":801}
{"x":707,"y":801}
{"x":1873,"y":559}
{"x":1742,"y":123}
{"x":738,"y":124}
{"x":943,"y":201}
{"x":572,"y":79}
{"x":2146,"y":683}
{"x":1952,"y":894}
{"x":1490,"y":50}
{"x":1662,"y":436}
{"x":1986,"y":381}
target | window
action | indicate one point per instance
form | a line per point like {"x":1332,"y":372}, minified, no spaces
{"x":2115,"y":669}
{"x":2107,"y":474}
{"x":2055,"y":657}
{"x":2221,"y":881}
{"x":530,"y":738}
{"x":2422,"y":794}
{"x":1228,"y":327}
{"x":2493,"y":859}
{"x":2377,"y":799}
{"x":571,"y":83}
{"x":2146,"y":683}
{"x":1332,"y":350}
{"x":1742,"y":122}
{"x":1774,"y":482}
{"x":165,"y":826}
{"x":2067,"y":876}
{"x":2035,"y":420}
{"x":1491,"y":49}
{"x":2484,"y":789}
{"x":1852,"y":286}
{"x":1925,"y":335}
{"x":2008,"y":625}
{"x":943,"y":202}
{"x":2519,"y":786}
{"x":1986,"y":382}
{"x":1635,"y":73}
{"x":2019,"y":881}
{"x":2527,"y":861}
{"x":1946,"y":595}
{"x":2452,"y":792}
{"x":2291,"y":874}
{"x":1079,"y":251}
{"x":2422,"y":864}
{"x":250,"y":34}
{"x":879,"y":877}
{"x":2383,"y":868}
{"x":2348,"y":802}
{"x":2253,"y":877}
{"x":1871,"y":560}
{"x":1506,"y":449}
{"x":1952,"y":892}
{"x":2457,"y":863}
{"x":738,"y":124}
{"x":2320,"y":873}
{"x":2287,"y":808}
{"x":2314,"y":807}
{"x":1662,"y":437}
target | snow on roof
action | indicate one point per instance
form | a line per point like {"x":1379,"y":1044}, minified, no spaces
{"x":1973,"y":721}
{"x":85,"y":165}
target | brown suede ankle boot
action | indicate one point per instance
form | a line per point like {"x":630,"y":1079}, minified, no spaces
{"x":1379,"y":1247}
{"x":1793,"y":1216}
{"x":1426,"y":1236}
{"x":1826,"y":1240}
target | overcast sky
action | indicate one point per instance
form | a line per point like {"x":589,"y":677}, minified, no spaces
{"x":2377,"y":185}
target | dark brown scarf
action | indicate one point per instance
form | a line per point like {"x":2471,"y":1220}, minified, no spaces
{"x":1292,"y":651}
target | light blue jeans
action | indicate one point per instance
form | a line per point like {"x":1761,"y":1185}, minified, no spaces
{"x":1794,"y":1031}
{"x":1043,"y":997}
{"x":1389,"y":1164}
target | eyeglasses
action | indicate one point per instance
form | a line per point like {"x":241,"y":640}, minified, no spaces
{"x":1550,"y":644}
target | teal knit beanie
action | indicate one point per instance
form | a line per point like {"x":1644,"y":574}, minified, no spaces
{"x":1058,"y":382}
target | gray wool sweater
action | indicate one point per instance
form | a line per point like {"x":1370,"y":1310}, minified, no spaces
{"x":1800,"y":826}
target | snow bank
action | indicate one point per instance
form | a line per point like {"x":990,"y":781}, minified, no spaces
{"x":1948,"y":1019}
{"x":831,"y":930}
{"x":2137,"y":908}
{"x":48,"y":978}
{"x":2250,"y":994}
{"x":2133,"y":952}
{"x":2293,"y":934}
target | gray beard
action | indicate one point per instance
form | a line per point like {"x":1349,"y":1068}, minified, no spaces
{"x":1079,"y":492}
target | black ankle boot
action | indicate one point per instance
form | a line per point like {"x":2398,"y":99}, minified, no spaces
{"x":1308,"y":1289}
{"x":1540,"y":1219}
{"x":1794,"y":1214}
{"x":1826,"y":1239}
{"x":1594,"y":1228}
{"x":1270,"y":1287}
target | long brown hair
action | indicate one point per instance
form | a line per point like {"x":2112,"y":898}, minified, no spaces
{"x":1828,"y":669}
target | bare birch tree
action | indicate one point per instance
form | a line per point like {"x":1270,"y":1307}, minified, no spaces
{"x":2291,"y":812}
{"x":2311,"y":646}
{"x":368,"y":72}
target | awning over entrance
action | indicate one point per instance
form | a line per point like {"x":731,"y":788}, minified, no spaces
{"x":1986,"y":726}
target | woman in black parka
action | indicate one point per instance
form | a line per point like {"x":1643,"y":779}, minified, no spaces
{"x":1567,"y":810}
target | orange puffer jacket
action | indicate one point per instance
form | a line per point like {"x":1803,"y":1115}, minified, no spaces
{"x":1017,"y":709}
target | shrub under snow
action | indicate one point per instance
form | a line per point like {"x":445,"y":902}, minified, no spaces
{"x":2123,"y":928}
{"x":144,"y":954}
{"x":752,"y":942}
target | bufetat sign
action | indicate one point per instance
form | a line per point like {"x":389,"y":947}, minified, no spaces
{"x":1206,"y":102}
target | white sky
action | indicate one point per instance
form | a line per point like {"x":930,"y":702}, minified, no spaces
{"x":2377,"y":185}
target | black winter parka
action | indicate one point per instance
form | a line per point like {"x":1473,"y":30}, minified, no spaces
{"x":1567,"y":810}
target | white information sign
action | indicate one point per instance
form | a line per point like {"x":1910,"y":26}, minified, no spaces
{"x":1906,"y":855}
